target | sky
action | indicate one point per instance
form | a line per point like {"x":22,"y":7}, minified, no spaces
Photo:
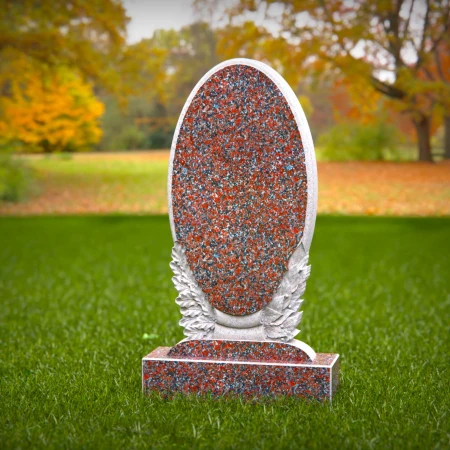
{"x":150,"y":15}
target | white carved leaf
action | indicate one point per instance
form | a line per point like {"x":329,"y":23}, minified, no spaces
{"x":296,"y":304}
{"x":281,"y":318}
{"x":197,"y":320}
{"x":292,"y":320}
{"x":191,"y":312}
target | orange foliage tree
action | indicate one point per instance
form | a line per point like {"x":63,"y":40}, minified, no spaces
{"x":436,"y":76}
{"x":87,"y":35}
{"x":353,"y":101}
{"x":385,"y":44}
{"x":50,"y":52}
{"x":49,"y":110}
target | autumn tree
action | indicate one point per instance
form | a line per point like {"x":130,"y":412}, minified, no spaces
{"x":436,"y":74}
{"x":176,"y":60}
{"x":50,"y":53}
{"x":384,"y":43}
{"x":160,"y":73}
{"x":49,"y":110}
{"x":191,"y":52}
{"x":86,"y":35}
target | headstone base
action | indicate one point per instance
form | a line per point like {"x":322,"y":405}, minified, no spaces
{"x":317,"y":379}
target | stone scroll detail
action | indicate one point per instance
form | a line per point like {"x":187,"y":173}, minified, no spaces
{"x":198,"y":320}
{"x":282,"y":315}
{"x":279,"y":318}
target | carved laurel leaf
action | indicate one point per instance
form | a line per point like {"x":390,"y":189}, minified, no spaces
{"x":198,"y":320}
{"x":281,"y":317}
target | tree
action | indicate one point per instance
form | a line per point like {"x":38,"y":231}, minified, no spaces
{"x":436,"y":72}
{"x":160,"y":73}
{"x":384,"y":43}
{"x":184,"y":56}
{"x":49,"y":110}
{"x":192,"y":51}
{"x":86,"y":35}
{"x":50,"y":52}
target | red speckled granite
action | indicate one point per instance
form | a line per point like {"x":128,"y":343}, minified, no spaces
{"x":221,"y":350}
{"x":240,"y":180}
{"x":314,"y":380}
{"x":239,"y":189}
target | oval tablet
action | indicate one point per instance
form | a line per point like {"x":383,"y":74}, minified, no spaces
{"x":239,"y":198}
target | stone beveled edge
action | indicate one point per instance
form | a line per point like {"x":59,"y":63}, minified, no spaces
{"x":305,"y":350}
{"x":252,"y":363}
{"x":262,"y":363}
{"x":302,"y":124}
{"x":303,"y":346}
{"x":310,"y":365}
{"x":309,"y":155}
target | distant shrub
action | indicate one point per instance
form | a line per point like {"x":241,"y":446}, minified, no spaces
{"x":64,"y":156}
{"x":16,"y":179}
{"x":131,"y":138}
{"x":352,"y":141}
{"x":160,"y":139}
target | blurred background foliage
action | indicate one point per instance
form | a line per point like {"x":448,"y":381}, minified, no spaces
{"x":16,"y":179}
{"x":348,"y":141}
{"x":373,"y":76}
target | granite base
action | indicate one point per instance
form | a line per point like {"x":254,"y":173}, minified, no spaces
{"x":169,"y":374}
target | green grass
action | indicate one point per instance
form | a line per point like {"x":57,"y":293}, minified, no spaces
{"x":78,"y":294}
{"x":110,"y":182}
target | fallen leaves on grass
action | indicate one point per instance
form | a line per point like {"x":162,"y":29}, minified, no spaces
{"x":136,"y":183}
{"x":381,"y":188}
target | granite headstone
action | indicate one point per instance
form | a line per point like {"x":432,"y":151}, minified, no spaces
{"x":242,"y":205}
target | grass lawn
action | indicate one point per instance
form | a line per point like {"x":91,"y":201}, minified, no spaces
{"x":96,"y":183}
{"x":78,"y":294}
{"x":136,"y":182}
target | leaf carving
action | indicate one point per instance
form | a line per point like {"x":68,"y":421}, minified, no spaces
{"x":281,"y":317}
{"x":198,"y":320}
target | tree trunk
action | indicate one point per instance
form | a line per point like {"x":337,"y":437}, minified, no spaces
{"x":447,"y":137}
{"x":423,"y":138}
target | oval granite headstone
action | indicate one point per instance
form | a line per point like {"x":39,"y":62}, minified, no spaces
{"x":242,"y":184}
{"x":242,"y":204}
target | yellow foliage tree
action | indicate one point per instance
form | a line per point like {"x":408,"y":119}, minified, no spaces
{"x":49,"y":110}
{"x":88,"y":35}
